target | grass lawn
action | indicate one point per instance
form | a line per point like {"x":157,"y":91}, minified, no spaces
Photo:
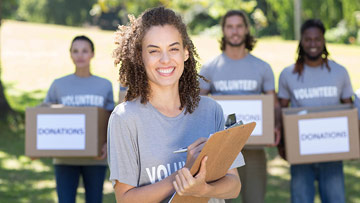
{"x":33,"y":55}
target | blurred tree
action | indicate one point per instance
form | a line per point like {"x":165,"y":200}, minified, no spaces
{"x":110,"y":13}
{"x":203,"y":14}
{"x":4,"y":105}
{"x":8,"y":7}
{"x":342,"y":15}
{"x":68,"y":12}
{"x":351,"y":12}
{"x":65,"y":12}
{"x":282,"y":12}
{"x":329,"y":11}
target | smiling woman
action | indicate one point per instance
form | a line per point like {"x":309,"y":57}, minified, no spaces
{"x":161,"y":113}
{"x":164,"y":54}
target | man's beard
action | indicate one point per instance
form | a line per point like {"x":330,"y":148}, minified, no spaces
{"x":234,"y":44}
{"x":313,"y":58}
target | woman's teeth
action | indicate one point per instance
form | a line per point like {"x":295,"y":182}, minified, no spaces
{"x":165,"y":70}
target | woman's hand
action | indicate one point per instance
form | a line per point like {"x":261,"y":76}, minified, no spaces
{"x":187,"y":185}
{"x":194,"y":150}
{"x":103,"y":152}
{"x":277,"y":132}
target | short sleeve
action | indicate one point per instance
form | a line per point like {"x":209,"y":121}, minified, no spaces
{"x":357,"y":101}
{"x":347,"y":90}
{"x":122,"y":151}
{"x":204,"y":71}
{"x":110,"y":99}
{"x":220,"y":120}
{"x":51,"y":95}
{"x":269,"y":81}
{"x":284,"y":92}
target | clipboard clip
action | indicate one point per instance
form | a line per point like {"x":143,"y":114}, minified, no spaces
{"x":231,"y":121}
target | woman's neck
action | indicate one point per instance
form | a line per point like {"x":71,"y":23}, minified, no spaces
{"x":83,"y":72}
{"x":166,"y":100}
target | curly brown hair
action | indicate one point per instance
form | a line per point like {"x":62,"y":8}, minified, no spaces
{"x":129,"y":55}
{"x":250,"y":40}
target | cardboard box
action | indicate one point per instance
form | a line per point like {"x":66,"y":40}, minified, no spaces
{"x":320,"y":134}
{"x":60,"y":131}
{"x":252,"y":108}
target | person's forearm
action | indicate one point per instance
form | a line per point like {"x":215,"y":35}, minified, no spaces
{"x":227,"y":187}
{"x":150,"y":193}
{"x":278,"y":116}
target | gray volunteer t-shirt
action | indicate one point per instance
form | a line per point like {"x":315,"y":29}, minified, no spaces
{"x":141,"y":140}
{"x":316,"y":86}
{"x":72,"y":90}
{"x":249,"y":75}
{"x":357,"y":101}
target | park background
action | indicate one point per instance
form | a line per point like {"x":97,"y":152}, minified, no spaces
{"x":35,"y":38}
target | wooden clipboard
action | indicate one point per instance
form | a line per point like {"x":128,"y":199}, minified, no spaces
{"x":222,"y":148}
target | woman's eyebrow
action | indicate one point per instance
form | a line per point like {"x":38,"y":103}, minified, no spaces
{"x":175,"y":43}
{"x":154,"y":46}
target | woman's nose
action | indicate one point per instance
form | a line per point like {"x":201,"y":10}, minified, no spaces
{"x":165,"y":57}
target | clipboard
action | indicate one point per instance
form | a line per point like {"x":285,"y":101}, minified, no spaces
{"x":222,"y":148}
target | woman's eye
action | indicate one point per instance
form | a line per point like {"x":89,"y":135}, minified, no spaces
{"x":174,"y":49}
{"x":152,"y":51}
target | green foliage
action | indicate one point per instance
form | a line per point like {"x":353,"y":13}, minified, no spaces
{"x":31,"y":10}
{"x":351,"y":12}
{"x":329,"y":11}
{"x":125,"y":7}
{"x":65,"y":12}
{"x":7,"y":8}
{"x":68,"y":12}
{"x":268,"y":17}
{"x":342,"y":16}
{"x":282,"y":13}
{"x":340,"y":33}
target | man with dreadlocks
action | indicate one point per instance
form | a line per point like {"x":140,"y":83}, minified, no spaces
{"x":237,"y":72}
{"x":314,"y":80}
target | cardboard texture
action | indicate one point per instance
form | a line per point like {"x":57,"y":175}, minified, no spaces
{"x":320,"y":134}
{"x":252,"y":108}
{"x":221,"y":148}
{"x":94,"y":135}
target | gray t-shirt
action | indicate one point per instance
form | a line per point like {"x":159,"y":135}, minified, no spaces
{"x":246,"y":76}
{"x":141,"y":140}
{"x":316,"y":86}
{"x":357,"y":101}
{"x":72,"y":90}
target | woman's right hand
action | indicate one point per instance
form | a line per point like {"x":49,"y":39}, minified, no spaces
{"x":194,"y":150}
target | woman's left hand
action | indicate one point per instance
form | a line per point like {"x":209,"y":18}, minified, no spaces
{"x":187,"y":185}
{"x":103,"y":152}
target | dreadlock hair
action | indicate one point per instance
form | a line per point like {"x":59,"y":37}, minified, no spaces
{"x":299,"y":65}
{"x":129,"y":55}
{"x":249,"y":39}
